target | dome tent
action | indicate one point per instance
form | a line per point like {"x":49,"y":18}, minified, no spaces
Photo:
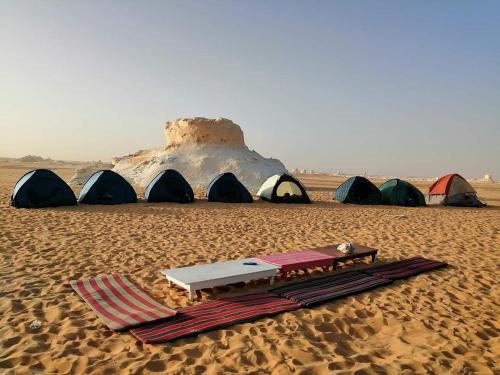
{"x":453,"y":190}
{"x":358,"y":190}
{"x":398,"y":192}
{"x":169,"y":186}
{"x":283,"y":188}
{"x":42,"y":188}
{"x":226,"y":188}
{"x":107,"y":187}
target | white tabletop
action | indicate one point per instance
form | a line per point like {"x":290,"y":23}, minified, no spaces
{"x":219,"y":270}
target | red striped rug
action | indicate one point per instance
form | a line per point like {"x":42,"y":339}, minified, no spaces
{"x":118,"y":302}
{"x":404,"y":268}
{"x":213,"y":315}
{"x":327,"y":288}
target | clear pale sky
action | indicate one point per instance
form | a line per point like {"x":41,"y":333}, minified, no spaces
{"x":390,"y":87}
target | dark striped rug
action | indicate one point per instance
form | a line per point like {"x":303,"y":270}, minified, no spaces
{"x":324,"y":289}
{"x":404,"y":268}
{"x":213,"y":315}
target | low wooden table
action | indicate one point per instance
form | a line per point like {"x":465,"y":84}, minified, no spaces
{"x":360,"y":251}
{"x":296,"y":260}
{"x":222,"y":273}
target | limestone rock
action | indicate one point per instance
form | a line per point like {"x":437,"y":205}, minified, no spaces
{"x":200,"y":149}
{"x":200,"y":130}
{"x":83,"y":174}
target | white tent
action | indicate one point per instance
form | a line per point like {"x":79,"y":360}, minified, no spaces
{"x":283,"y":188}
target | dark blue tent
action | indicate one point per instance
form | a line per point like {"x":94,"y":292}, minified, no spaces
{"x":42,"y":188}
{"x":358,"y":190}
{"x":107,"y":187}
{"x":226,"y":188}
{"x":169,"y":186}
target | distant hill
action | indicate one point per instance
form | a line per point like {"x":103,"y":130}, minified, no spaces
{"x":47,"y":162}
{"x":33,"y":159}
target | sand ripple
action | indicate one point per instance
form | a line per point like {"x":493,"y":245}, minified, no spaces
{"x":442,"y":322}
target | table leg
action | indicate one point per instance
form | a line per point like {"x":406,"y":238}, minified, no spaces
{"x":334,"y":265}
{"x":373,"y":257}
{"x":271,"y":281}
{"x":190,"y":295}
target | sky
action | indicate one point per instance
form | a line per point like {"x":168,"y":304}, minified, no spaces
{"x":408,"y":88}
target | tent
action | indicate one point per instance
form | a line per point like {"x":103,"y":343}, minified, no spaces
{"x":358,"y":190}
{"x":283,"y":188}
{"x":226,"y":188}
{"x":42,"y":188}
{"x":398,"y":192}
{"x":453,"y":190}
{"x":169,"y":186}
{"x":107,"y":187}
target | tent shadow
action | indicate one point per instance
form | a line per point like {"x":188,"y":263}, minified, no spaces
{"x":142,"y":207}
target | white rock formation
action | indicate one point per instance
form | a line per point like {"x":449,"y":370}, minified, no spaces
{"x":83,"y":174}
{"x":200,"y":130}
{"x":200,"y":149}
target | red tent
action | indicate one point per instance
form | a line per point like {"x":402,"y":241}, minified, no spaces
{"x":453,"y":190}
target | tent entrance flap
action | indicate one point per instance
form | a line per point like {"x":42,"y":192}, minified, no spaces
{"x":288,"y":187}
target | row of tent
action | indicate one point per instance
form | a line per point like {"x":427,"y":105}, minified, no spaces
{"x":449,"y":190}
{"x":43,"y":188}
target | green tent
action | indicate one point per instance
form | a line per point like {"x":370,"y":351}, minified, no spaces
{"x":397,"y":192}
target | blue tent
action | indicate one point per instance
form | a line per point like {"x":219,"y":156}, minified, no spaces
{"x":169,"y":186}
{"x":42,"y":188}
{"x":226,"y":188}
{"x":358,"y":190}
{"x":107,"y":187}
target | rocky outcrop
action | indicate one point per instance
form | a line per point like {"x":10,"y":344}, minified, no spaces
{"x":32,"y":159}
{"x":83,"y":174}
{"x":201,"y":130}
{"x":200,"y":149}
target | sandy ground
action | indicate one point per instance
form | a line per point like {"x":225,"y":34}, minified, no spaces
{"x":445,"y":321}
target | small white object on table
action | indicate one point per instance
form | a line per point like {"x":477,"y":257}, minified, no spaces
{"x":203,"y":276}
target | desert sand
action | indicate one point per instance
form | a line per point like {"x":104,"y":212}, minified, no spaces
{"x":440,"y":322}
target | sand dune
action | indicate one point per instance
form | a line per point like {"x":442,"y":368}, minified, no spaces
{"x":441,"y":322}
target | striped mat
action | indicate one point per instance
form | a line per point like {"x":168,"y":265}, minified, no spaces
{"x":118,"y":302}
{"x":213,"y":315}
{"x":327,"y":288}
{"x":404,"y":268}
